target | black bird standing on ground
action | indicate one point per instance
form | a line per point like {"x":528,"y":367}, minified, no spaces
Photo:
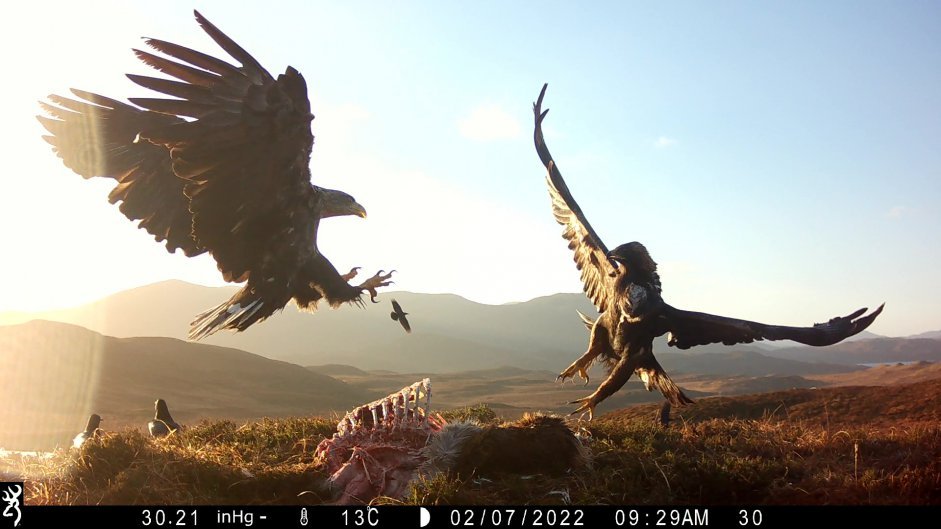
{"x":399,"y":315}
{"x":91,"y":431}
{"x":624,"y":286}
{"x":222,"y":167}
{"x":163,"y":423}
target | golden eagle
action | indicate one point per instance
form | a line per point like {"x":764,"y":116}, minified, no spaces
{"x":624,"y":286}
{"x":222,"y":167}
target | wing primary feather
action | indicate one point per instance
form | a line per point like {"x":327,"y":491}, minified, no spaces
{"x":232,"y":48}
{"x":180,"y":71}
{"x":97,"y":99}
{"x":175,"y":107}
{"x":189,"y":91}
{"x":196,"y":58}
{"x":75,"y":107}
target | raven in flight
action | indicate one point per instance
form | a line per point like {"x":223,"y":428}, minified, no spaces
{"x":399,"y":315}
{"x":221,"y":167}
{"x":624,"y":286}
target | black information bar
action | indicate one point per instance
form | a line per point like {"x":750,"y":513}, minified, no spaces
{"x":755,"y":516}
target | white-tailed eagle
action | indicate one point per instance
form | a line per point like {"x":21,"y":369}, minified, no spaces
{"x":221,"y":166}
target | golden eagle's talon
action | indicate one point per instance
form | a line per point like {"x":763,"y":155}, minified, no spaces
{"x":570,"y":372}
{"x":587,"y":406}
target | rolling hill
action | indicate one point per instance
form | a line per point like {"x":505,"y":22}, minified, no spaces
{"x":56,"y":374}
{"x":742,"y":362}
{"x":884,"y":375}
{"x":864,"y":406}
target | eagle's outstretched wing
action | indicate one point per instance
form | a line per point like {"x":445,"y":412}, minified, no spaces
{"x":97,"y":136}
{"x":688,"y":329}
{"x":596,"y":270}
{"x":244,"y":153}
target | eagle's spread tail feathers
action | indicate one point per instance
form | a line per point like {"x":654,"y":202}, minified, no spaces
{"x":243,"y":309}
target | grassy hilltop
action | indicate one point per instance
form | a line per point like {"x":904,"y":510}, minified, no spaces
{"x":793,"y":447}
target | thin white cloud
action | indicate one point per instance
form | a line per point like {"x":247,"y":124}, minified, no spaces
{"x":664,"y":142}
{"x":489,"y":122}
{"x":897,"y":212}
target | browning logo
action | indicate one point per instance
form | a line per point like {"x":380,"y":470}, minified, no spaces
{"x":11,"y":494}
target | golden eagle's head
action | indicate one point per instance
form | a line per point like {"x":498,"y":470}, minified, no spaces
{"x":635,"y":259}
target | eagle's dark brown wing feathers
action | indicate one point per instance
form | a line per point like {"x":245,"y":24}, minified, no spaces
{"x":589,"y":249}
{"x":689,"y":329}
{"x":244,"y":158}
{"x":96,"y":136}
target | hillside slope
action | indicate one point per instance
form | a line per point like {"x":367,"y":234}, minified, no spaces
{"x":57,"y":374}
{"x":860,"y":406}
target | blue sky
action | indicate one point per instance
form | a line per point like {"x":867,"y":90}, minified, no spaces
{"x":780,"y":161}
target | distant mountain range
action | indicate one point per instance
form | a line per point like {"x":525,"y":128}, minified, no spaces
{"x":878,"y":350}
{"x":933,"y":335}
{"x":450,"y":333}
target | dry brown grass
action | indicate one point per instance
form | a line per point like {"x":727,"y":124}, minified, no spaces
{"x":267,"y":462}
{"x":709,"y":461}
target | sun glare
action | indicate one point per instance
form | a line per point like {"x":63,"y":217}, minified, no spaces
{"x":49,"y":386}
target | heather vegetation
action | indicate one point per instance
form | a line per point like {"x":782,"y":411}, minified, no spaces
{"x":723,"y":459}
